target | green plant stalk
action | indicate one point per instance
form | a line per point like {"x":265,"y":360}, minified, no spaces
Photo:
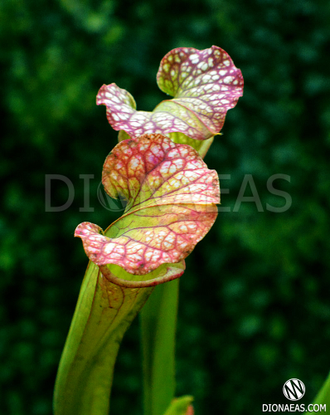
{"x":103,"y":314}
{"x":323,"y":397}
{"x":180,"y":406}
{"x":158,"y":327}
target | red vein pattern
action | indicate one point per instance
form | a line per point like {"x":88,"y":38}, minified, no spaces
{"x":171,"y":196}
{"x":205,"y":85}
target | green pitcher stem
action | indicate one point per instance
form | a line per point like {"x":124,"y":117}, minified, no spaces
{"x":158,"y":324}
{"x":103,"y":313}
{"x":323,"y":396}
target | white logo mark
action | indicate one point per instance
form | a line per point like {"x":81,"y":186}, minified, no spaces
{"x":294,"y":389}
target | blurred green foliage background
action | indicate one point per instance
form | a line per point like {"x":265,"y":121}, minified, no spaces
{"x":254,"y":306}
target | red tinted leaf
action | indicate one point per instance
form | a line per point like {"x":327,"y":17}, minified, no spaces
{"x":204,"y":81}
{"x":171,"y":197}
{"x":205,"y":85}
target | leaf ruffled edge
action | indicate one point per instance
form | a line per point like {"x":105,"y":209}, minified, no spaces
{"x":183,"y":72}
{"x":211,"y":72}
{"x":190,"y":216}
